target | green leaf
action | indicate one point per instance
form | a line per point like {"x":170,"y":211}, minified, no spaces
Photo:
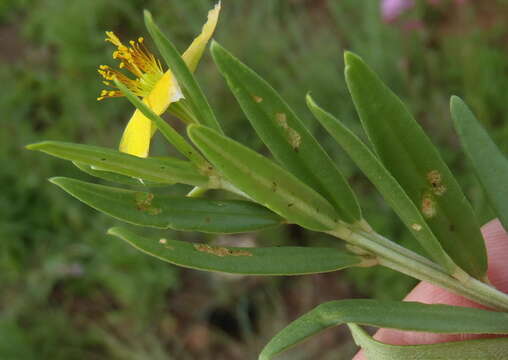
{"x":401,"y":315}
{"x":285,"y":135}
{"x":489,"y":164}
{"x":190,"y":88}
{"x":264,"y":181}
{"x":112,"y":177}
{"x":169,"y":133}
{"x":406,"y":151}
{"x":486,"y":349}
{"x":286,"y":260}
{"x":159,"y":170}
{"x":391,"y":190}
{"x":165,"y":211}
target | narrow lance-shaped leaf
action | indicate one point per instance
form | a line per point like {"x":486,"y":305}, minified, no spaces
{"x":285,"y":260}
{"x":169,"y":133}
{"x":165,"y":211}
{"x":191,"y":90}
{"x":113,"y":177}
{"x":492,"y":349}
{"x":489,"y":164}
{"x":166,"y":170}
{"x":392,"y":192}
{"x":264,"y":181}
{"x":406,"y":151}
{"x":285,"y":135}
{"x":401,"y":315}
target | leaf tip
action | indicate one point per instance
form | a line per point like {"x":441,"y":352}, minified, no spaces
{"x":193,"y":131}
{"x":456,"y":101}
{"x":114,"y":231}
{"x":460,"y":112}
{"x":192,"y":128}
{"x":37,"y":146}
{"x":57,"y":180}
{"x":215,"y":46}
{"x":350,"y":58}
{"x":147,"y":15}
{"x":311,"y":104}
{"x":218,"y":52}
{"x":309,"y":99}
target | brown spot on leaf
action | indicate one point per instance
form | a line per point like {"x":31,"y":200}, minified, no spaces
{"x":220,"y":251}
{"x":274,"y":186}
{"x":435,"y":180}
{"x":416,"y":227}
{"x":164,"y":242}
{"x":144,"y":203}
{"x":292,"y":136}
{"x":154,"y":211}
{"x":257,"y":99}
{"x":428,"y":205}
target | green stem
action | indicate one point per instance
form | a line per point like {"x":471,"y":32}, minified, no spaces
{"x":403,"y":260}
{"x":225,"y":185}
{"x":395,"y":257}
{"x":197,"y":192}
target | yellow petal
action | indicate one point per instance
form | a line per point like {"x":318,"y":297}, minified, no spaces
{"x":193,"y":54}
{"x":136,"y":136}
{"x":164,"y":92}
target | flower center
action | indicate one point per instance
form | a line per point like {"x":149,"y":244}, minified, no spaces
{"x":138,"y":60}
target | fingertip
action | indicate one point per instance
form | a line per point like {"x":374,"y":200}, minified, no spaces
{"x":496,"y":240}
{"x":359,"y":355}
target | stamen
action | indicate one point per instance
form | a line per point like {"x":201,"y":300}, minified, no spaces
{"x":138,"y":60}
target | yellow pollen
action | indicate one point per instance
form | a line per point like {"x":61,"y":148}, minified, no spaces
{"x":138,"y":60}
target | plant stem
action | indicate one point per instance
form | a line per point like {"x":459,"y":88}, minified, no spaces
{"x":226,"y":185}
{"x":197,"y":192}
{"x":396,"y":257}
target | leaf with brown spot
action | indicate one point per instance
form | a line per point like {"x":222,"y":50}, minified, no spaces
{"x":165,"y":211}
{"x":255,"y":175}
{"x":290,"y":142}
{"x":393,"y":193}
{"x":409,"y":155}
{"x":281,"y":260}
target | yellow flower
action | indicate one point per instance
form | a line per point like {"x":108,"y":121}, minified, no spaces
{"x":157,"y":88}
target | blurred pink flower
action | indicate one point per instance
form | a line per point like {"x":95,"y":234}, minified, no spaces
{"x":392,"y":9}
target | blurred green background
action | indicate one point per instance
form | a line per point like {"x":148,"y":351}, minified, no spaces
{"x":68,"y":291}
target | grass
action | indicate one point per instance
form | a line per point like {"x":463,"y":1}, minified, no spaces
{"x":69,"y":291}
